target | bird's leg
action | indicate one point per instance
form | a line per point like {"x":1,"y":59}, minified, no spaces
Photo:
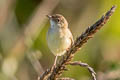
{"x":55,"y":62}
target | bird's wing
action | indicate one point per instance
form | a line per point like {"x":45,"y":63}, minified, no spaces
{"x":70,"y":36}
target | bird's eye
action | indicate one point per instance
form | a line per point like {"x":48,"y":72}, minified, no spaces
{"x":58,"y":20}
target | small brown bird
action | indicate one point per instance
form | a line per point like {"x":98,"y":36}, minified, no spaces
{"x":59,"y":37}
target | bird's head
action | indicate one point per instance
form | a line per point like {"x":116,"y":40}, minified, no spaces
{"x":58,"y":20}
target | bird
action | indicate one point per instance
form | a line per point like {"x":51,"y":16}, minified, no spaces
{"x":59,"y":36}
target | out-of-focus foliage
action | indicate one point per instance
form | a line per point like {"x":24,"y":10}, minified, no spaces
{"x":24,"y":59}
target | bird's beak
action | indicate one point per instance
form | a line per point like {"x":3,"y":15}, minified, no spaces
{"x":49,"y":16}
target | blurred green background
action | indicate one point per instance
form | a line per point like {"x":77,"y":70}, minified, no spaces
{"x":24,"y":53}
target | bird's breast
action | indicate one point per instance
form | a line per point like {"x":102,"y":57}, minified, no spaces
{"x":57,"y":40}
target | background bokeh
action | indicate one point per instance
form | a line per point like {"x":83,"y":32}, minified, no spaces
{"x":24,"y":53}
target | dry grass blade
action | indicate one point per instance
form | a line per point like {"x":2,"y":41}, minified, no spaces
{"x":80,"y":41}
{"x":90,"y":69}
{"x":65,"y":79}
